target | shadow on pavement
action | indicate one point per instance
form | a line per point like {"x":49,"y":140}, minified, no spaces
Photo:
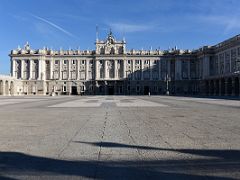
{"x":226,"y":154}
{"x":216,"y":164}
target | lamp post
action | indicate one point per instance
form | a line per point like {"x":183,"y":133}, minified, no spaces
{"x":167,"y":80}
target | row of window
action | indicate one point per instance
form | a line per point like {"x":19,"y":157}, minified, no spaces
{"x":56,"y":62}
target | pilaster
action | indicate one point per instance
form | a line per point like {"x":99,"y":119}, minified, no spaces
{"x":22,"y":65}
{"x":96,"y":69}
{"x":105,"y":69}
{"x":133,"y":69}
{"x":124,"y":68}
{"x":60,"y":69}
{"x":69,"y":69}
{"x":150,"y":68}
{"x":13,"y":67}
{"x":87,"y":69}
{"x":115,"y":69}
{"x":30,"y":69}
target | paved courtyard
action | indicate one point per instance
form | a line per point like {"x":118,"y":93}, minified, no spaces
{"x":119,"y":137}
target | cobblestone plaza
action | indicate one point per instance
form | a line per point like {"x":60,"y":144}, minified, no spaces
{"x":119,"y":137}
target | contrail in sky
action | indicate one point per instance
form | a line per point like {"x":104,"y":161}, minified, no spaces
{"x":54,"y":25}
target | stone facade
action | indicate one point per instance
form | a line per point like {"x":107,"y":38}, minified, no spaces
{"x":111,"y":69}
{"x":8,"y":85}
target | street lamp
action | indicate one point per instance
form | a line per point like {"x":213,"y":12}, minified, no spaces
{"x":167,"y":80}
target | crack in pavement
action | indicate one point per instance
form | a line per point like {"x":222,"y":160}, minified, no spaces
{"x":65,"y":146}
{"x":101,"y":143}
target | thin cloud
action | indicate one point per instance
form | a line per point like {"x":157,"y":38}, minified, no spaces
{"x":130,"y":28}
{"x":54,"y":25}
{"x":228,"y":23}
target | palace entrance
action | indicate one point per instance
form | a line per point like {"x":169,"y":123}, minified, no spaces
{"x":74,"y":90}
{"x":146,"y":90}
{"x":110,"y":90}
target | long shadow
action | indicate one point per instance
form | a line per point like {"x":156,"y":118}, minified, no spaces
{"x":225,"y":154}
{"x":217,"y":164}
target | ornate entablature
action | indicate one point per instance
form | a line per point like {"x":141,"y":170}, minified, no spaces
{"x":110,"y":45}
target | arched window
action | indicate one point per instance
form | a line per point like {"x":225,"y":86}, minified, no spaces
{"x":102,"y":51}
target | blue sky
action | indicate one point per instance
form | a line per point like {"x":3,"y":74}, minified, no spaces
{"x":188,"y":24}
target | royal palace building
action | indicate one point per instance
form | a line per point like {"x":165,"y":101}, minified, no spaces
{"x":111,"y":69}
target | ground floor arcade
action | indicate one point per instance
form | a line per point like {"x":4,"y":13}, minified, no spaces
{"x":225,"y":86}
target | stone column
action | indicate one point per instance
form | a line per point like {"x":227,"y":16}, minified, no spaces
{"x":78,"y":69}
{"x":105,"y":70}
{"x":115,"y":69}
{"x":3,"y":87}
{"x":44,"y":88}
{"x":178,"y":70}
{"x":159,"y":70}
{"x":39,"y":69}
{"x":13,"y":67}
{"x":142,"y":69}
{"x":124,"y":68}
{"x":226,"y":87}
{"x":69,"y":69}
{"x":60,"y":69}
{"x":70,"y":88}
{"x":87,"y":68}
{"x":51,"y":68}
{"x":30,"y":69}
{"x":8,"y":88}
{"x":189,"y":74}
{"x":150,"y":68}
{"x":96,"y":69}
{"x":22,"y":64}
{"x":43,"y":71}
{"x":233,"y":87}
{"x":133,"y":69}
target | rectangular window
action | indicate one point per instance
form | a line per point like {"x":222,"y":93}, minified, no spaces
{"x":64,"y":74}
{"x":73,"y":61}
{"x":83,"y":62}
{"x":56,"y":62}
{"x":65,"y":62}
{"x":238,"y":50}
{"x":73,"y":75}
{"x":82,"y":75}
{"x":129,"y":61}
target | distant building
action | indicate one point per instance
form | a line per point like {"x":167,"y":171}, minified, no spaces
{"x":111,"y":69}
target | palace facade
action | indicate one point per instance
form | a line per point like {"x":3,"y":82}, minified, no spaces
{"x":111,"y":69}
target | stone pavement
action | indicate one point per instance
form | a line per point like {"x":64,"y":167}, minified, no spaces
{"x":119,"y":137}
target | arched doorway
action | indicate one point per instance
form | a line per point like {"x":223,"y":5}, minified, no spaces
{"x":229,"y":86}
{"x":222,"y":87}
{"x":236,"y":89}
